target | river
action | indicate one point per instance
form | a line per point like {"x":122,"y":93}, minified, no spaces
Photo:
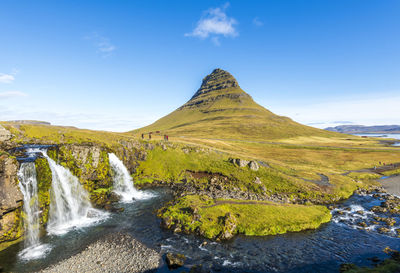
{"x":321,"y":250}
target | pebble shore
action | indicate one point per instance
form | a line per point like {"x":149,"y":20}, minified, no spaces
{"x":115,"y":253}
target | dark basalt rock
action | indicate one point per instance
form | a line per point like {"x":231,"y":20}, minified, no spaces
{"x":175,"y":260}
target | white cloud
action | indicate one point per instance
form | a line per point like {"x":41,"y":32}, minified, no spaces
{"x":257,"y":22}
{"x":12,"y":94}
{"x":6,"y":78}
{"x":215,"y":23}
{"x":103,"y":44}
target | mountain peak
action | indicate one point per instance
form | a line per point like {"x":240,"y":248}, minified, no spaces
{"x":217,"y":80}
{"x":221,"y":109}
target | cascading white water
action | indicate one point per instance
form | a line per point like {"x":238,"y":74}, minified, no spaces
{"x":69,"y":206}
{"x":28,"y":186}
{"x":123,"y":183}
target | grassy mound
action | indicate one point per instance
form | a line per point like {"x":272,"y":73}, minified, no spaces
{"x":208,"y":217}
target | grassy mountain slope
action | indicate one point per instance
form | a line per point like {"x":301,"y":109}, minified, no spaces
{"x":221,"y":109}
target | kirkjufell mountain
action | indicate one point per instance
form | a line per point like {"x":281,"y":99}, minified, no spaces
{"x":221,"y":109}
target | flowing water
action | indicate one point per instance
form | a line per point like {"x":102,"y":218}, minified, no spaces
{"x":123,"y":183}
{"x":70,"y":206}
{"x":395,"y":136}
{"x":28,"y":185}
{"x":321,"y":250}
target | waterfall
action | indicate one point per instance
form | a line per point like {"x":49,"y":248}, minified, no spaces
{"x":28,"y":186}
{"x":123,"y":182}
{"x":70,"y":206}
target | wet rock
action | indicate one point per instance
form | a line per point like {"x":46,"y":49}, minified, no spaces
{"x":362,"y":224}
{"x":390,"y":221}
{"x":347,"y":267}
{"x":374,"y":259}
{"x":166,"y":222}
{"x":383,"y":230}
{"x":175,"y":260}
{"x":361,"y":212}
{"x":199,"y":269}
{"x":253,"y":165}
{"x":379,"y":209}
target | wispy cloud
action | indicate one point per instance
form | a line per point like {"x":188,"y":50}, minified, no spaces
{"x":215,"y":23}
{"x":102,"y":44}
{"x":257,"y":22}
{"x":12,"y":94}
{"x":6,"y":78}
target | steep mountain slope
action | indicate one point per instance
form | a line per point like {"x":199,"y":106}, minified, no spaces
{"x":221,"y":109}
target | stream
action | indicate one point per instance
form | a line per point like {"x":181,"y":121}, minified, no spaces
{"x":321,"y":250}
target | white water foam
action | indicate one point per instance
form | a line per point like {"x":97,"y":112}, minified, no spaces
{"x":123,"y":182}
{"x":70,"y":207}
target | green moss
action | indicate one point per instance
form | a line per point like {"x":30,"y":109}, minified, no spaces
{"x":15,"y":233}
{"x":44,"y":179}
{"x":387,"y":266}
{"x":203,"y":215}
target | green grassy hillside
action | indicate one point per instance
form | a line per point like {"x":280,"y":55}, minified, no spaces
{"x":221,"y":109}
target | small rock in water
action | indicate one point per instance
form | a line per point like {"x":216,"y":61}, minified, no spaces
{"x":383,"y":230}
{"x":362,"y":224}
{"x":175,"y":260}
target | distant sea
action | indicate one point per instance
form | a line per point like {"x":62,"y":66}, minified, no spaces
{"x":396,"y":136}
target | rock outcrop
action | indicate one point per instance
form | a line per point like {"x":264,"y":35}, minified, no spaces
{"x":10,"y":200}
{"x":4,"y":134}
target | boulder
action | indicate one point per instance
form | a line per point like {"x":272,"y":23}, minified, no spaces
{"x":253,"y":165}
{"x":175,"y":260}
{"x":239,"y":162}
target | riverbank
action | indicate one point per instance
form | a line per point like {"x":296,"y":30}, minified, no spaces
{"x":118,"y":252}
{"x":391,"y":184}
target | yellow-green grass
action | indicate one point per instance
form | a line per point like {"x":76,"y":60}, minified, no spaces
{"x":253,"y":218}
{"x":171,"y":166}
{"x":61,"y":134}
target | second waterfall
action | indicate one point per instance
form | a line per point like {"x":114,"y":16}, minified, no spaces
{"x":123,"y":182}
{"x":70,"y":206}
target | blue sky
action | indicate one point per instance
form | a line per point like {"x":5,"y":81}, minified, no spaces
{"x":120,"y":65}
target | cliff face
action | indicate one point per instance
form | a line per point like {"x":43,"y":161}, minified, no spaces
{"x":10,"y":200}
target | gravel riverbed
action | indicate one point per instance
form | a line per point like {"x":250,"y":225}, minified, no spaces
{"x":118,"y":252}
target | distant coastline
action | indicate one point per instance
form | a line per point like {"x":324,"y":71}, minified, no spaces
{"x":361,"y":129}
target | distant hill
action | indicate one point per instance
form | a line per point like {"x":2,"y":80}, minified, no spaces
{"x":361,"y":129}
{"x":30,"y":122}
{"x":221,"y":109}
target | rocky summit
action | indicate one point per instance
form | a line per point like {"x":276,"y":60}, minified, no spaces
{"x":221,"y":109}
